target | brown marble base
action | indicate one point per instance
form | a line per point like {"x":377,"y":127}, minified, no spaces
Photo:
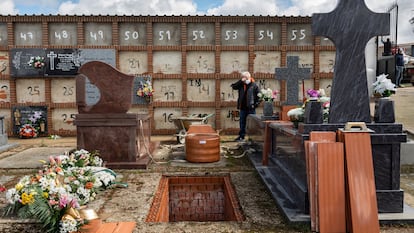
{"x":122,"y":139}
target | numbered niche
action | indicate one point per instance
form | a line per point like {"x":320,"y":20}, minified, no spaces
{"x":62,"y":119}
{"x":4,"y":91}
{"x":164,"y":117}
{"x":201,"y":34}
{"x":98,"y":34}
{"x":167,"y":62}
{"x":29,"y":116}
{"x":305,"y":59}
{"x":266,"y":62}
{"x":30,"y":90}
{"x":201,"y":62}
{"x":233,"y":61}
{"x":299,"y":34}
{"x":201,"y":90}
{"x":4,"y":63}
{"x":165,"y":34}
{"x":267,"y":34}
{"x":133,"y":34}
{"x":63,"y":90}
{"x":168,"y":90}
{"x":3,"y":34}
{"x":133,"y":62}
{"x":226,"y":92}
{"x":234,"y":34}
{"x":326,"y":61}
{"x":63,"y":34}
{"x":326,"y":85}
{"x":28,"y":34}
{"x":207,"y":113}
{"x":229,"y":118}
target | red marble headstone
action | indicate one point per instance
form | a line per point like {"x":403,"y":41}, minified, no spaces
{"x":103,"y":97}
{"x":100,"y":88}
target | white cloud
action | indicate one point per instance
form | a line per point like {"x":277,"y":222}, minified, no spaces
{"x":128,"y":7}
{"x":228,"y":7}
{"x":7,"y":7}
{"x":245,"y":7}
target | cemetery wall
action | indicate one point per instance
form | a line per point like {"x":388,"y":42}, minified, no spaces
{"x":192,"y":60}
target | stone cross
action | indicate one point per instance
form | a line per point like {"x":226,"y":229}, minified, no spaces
{"x":292,"y":74}
{"x":350,"y":26}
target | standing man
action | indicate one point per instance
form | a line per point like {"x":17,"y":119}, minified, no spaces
{"x":247,"y":101}
{"x":399,"y":67}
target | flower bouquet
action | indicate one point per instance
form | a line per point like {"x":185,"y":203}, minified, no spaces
{"x":55,"y":194}
{"x":383,"y":87}
{"x":37,"y":62}
{"x":267,"y":95}
{"x":27,"y":131}
{"x":145,"y":90}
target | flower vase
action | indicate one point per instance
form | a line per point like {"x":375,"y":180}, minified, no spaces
{"x":384,"y":110}
{"x":268,"y":109}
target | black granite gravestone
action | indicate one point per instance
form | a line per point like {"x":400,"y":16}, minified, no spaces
{"x":292,"y":74}
{"x":350,"y":26}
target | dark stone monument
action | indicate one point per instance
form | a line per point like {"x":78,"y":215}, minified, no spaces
{"x":103,"y":97}
{"x":292,"y":74}
{"x":349,"y":26}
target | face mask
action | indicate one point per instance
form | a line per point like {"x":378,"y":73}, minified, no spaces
{"x":247,"y":81}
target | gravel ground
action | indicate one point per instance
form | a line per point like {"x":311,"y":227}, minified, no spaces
{"x":133,"y":203}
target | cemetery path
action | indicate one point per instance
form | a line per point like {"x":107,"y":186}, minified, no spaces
{"x":404,"y":108}
{"x":133,"y":203}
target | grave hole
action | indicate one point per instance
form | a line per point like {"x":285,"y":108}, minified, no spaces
{"x":195,"y":198}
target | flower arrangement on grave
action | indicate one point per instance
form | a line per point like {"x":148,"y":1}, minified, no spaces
{"x":55,"y":194}
{"x":37,"y":62}
{"x":27,"y":131}
{"x":383,"y":87}
{"x":296,"y":115}
{"x":267,"y":95}
{"x":145,"y":89}
{"x":34,"y":125}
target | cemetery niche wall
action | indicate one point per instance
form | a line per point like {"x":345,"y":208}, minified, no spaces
{"x":191,"y":61}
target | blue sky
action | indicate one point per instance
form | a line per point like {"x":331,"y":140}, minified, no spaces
{"x":203,"y":7}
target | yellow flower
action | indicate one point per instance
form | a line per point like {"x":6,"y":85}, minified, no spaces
{"x":18,"y":186}
{"x":45,"y":194}
{"x":27,"y":198}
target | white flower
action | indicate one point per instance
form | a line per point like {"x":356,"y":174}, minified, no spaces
{"x":12,"y":196}
{"x":296,"y":113}
{"x":383,"y":84}
{"x":68,"y":225}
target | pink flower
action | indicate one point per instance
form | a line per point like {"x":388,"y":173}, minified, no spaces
{"x":64,"y":201}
